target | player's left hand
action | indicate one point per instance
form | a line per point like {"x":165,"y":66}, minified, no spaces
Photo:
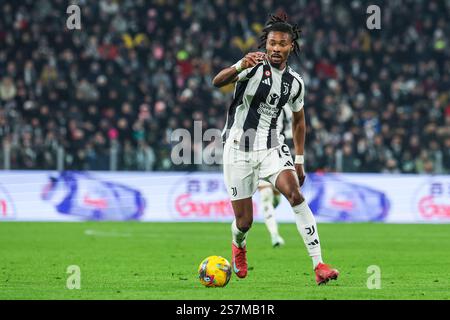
{"x":300,"y":173}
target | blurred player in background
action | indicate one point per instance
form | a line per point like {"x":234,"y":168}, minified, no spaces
{"x":270,"y":196}
{"x":253,"y":151}
{"x":270,"y":199}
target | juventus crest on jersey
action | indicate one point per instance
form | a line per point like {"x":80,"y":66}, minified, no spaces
{"x":260,"y":95}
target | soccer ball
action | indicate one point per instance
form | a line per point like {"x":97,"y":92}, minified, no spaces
{"x":214,"y":271}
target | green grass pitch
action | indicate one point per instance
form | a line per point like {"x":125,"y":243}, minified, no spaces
{"x":160,"y":260}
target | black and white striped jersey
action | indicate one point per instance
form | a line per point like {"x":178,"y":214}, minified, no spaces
{"x":260,"y":94}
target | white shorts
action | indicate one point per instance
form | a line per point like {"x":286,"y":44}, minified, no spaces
{"x":243,"y":170}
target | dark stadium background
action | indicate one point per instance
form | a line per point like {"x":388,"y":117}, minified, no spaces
{"x":376,"y":100}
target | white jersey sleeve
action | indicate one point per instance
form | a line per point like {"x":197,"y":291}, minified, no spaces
{"x":247,"y":73}
{"x":296,"y":100}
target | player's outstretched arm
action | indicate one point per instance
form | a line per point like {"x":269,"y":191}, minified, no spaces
{"x":230,"y":74}
{"x":299,"y":132}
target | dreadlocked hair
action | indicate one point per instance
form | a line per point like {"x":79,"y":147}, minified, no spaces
{"x":279,"y":23}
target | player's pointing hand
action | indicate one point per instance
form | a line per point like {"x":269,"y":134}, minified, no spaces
{"x":251,"y":59}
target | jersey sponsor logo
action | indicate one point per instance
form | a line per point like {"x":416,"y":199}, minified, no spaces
{"x":267,"y":110}
{"x":273,"y":99}
{"x":267,"y":73}
{"x":267,"y":81}
{"x":273,"y":140}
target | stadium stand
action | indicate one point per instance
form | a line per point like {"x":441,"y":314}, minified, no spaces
{"x":110,"y":95}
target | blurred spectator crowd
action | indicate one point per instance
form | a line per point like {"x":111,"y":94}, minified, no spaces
{"x":375,"y":101}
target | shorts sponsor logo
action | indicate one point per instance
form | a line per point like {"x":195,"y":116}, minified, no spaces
{"x":267,"y":110}
{"x":273,"y":99}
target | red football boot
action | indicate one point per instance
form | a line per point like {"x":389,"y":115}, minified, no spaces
{"x":324,"y":273}
{"x":239,"y":261}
